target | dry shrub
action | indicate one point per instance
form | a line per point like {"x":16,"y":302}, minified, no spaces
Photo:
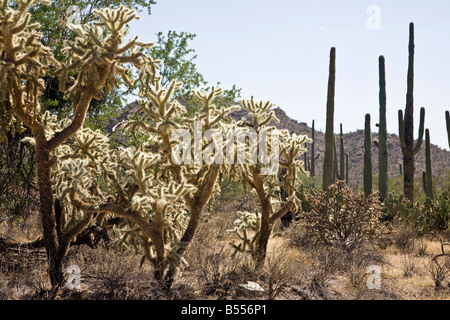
{"x":405,"y":239}
{"x":409,"y":264}
{"x":422,"y":247}
{"x":112,"y":275}
{"x":355,"y":269}
{"x":330,"y":263}
{"x":439,"y":268}
{"x":299,"y":237}
{"x":219,"y":273}
{"x":22,"y":277}
{"x":340,"y":217}
{"x":280,"y":271}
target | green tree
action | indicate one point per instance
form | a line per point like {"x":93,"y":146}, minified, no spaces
{"x":53,"y":20}
{"x":178,"y":63}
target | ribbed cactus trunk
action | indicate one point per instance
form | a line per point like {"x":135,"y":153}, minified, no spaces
{"x":382,"y":134}
{"x":427,"y":175}
{"x":327,"y":178}
{"x":342,"y":157}
{"x":447,"y":119}
{"x":335,"y":163}
{"x":367,"y":157}
{"x":313,"y":152}
{"x":406,"y":126}
{"x":346,"y":168}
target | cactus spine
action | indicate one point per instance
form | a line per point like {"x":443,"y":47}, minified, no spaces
{"x":327,"y":179}
{"x":406,"y":125}
{"x":367,"y":157}
{"x":447,"y":119}
{"x":382,"y":134}
{"x":427,"y":177}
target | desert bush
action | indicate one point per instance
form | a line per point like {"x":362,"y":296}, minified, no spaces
{"x":421,"y":247}
{"x":299,"y":237}
{"x":116,"y":275}
{"x":409,"y":264}
{"x":220,"y":273}
{"x":439,"y":268}
{"x":280,"y":270}
{"x":405,"y":238}
{"x":342,"y":218}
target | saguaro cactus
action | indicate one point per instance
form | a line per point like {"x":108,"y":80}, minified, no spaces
{"x":427,"y":177}
{"x":313,"y":152}
{"x":327,"y":179}
{"x":447,"y":119}
{"x":346,"y":167}
{"x":342,"y":157}
{"x":367,"y":157}
{"x":382,"y":134}
{"x":406,"y":126}
{"x":335,"y":163}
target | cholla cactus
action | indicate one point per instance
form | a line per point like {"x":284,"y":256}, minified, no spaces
{"x":96,"y":56}
{"x":267,"y":187}
{"x":155,"y":211}
{"x":247,"y":229}
{"x":160,"y":115}
{"x":162,"y":207}
{"x":23,"y":63}
{"x":97,"y":59}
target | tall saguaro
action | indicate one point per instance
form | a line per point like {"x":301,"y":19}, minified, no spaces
{"x":427,"y":175}
{"x":447,"y":119}
{"x":342,"y":157}
{"x":367,"y":157}
{"x":382,"y":133}
{"x":406,"y":125}
{"x":327,"y":179}
{"x":313,"y":152}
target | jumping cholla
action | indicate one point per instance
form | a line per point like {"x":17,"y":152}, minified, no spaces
{"x":97,"y":58}
{"x":83,"y":179}
{"x":283,"y":148}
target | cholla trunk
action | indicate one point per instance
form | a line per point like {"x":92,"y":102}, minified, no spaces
{"x":266,"y":226}
{"x":196,"y":207}
{"x":46,"y":210}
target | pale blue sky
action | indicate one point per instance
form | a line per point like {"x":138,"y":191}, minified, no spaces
{"x":279,"y":51}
